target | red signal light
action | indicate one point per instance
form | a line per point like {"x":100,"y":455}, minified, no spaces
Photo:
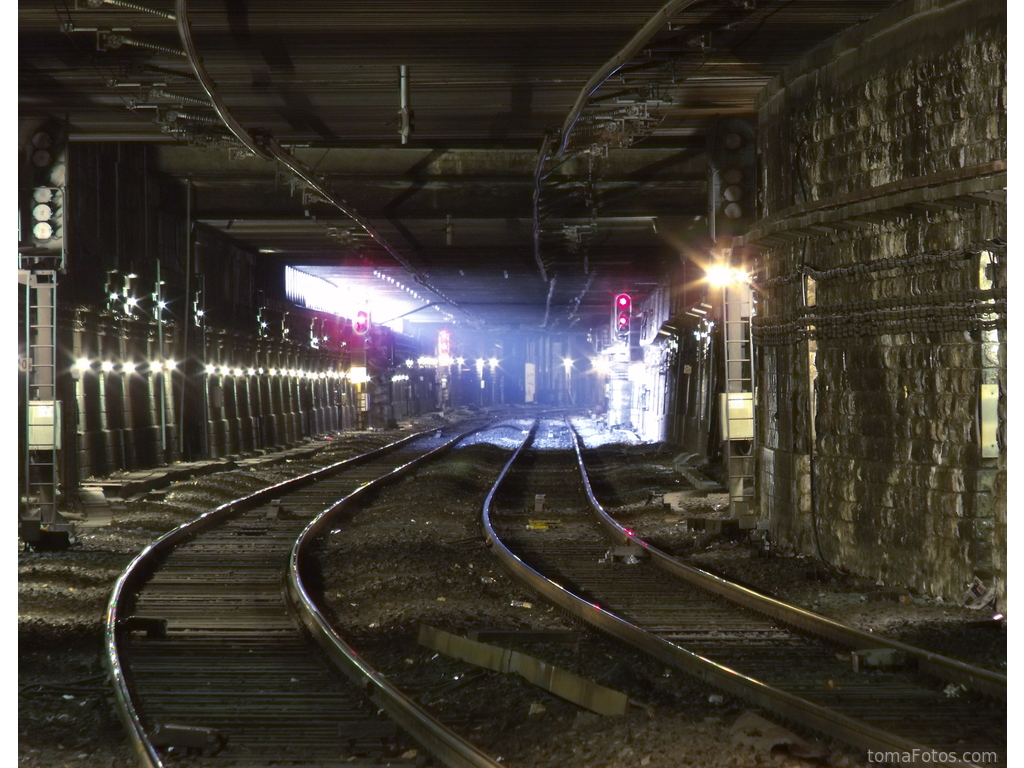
{"x":361,"y":323}
{"x":623,"y":310}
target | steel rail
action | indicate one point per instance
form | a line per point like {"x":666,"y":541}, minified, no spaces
{"x":454,"y":750}
{"x":142,"y":564}
{"x":792,"y":707}
{"x":982,"y":680}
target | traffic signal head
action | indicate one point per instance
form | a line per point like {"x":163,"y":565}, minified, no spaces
{"x":361,"y":323}
{"x":733,"y":169}
{"x":623,"y":311}
{"x":42,"y":182}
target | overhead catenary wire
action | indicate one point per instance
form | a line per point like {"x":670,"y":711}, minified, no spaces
{"x":263,"y":145}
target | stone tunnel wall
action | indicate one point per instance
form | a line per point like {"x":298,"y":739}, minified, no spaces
{"x":881,"y":324}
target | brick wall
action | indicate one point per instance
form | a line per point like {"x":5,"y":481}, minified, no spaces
{"x":879,"y":326}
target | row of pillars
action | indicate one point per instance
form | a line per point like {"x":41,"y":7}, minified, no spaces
{"x":140,"y":402}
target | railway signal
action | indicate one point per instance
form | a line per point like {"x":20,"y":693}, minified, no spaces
{"x":623,"y":311}
{"x":361,"y":323}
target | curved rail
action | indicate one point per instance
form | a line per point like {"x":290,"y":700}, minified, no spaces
{"x":982,"y":680}
{"x":454,"y":750}
{"x":141,"y":565}
{"x":790,"y":706}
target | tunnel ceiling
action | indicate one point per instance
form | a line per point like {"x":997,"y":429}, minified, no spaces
{"x":486,"y":82}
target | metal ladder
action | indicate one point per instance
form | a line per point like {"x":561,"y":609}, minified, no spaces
{"x":738,"y":405}
{"x":43,"y":419}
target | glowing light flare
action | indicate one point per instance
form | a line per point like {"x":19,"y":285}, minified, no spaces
{"x":82,"y":364}
{"x":718,"y":274}
{"x":567,"y":364}
{"x":721,"y":275}
{"x":107,"y":366}
{"x":493,"y":363}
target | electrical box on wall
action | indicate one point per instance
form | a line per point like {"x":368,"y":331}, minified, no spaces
{"x":44,"y":425}
{"x":737,"y":415}
{"x":989,"y":411}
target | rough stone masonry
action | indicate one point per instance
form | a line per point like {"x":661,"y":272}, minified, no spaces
{"x":881,"y":324}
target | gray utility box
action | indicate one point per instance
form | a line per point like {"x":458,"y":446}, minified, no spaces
{"x":44,"y":425}
{"x":737,"y":415}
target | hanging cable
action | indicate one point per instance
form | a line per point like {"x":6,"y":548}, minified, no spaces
{"x":264,"y":146}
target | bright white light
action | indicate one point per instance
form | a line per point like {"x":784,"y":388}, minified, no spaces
{"x":494,"y":363}
{"x":83,"y":364}
{"x":131,"y":301}
{"x":567,"y":363}
{"x":602,"y":365}
{"x":637,"y":371}
{"x":480,"y":366}
{"x":719,"y":274}
{"x":251,"y":372}
{"x":444,"y":360}
{"x":172,"y":365}
{"x":410,"y":363}
{"x":427,"y":362}
{"x":314,"y":292}
{"x":211,"y":369}
{"x":156,"y":365}
{"x":162,"y":304}
{"x":358,"y":375}
{"x":128,"y":367}
{"x":273,"y":371}
{"x":461,"y":361}
{"x":107,"y":366}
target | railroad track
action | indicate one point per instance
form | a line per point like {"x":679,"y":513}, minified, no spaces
{"x":779,"y":657}
{"x":206,"y":647}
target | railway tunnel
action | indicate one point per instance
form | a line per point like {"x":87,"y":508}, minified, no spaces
{"x":759,"y":245}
